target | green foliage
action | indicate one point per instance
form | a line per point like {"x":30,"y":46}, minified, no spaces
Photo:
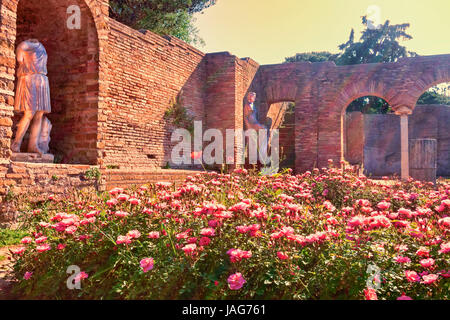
{"x":10,"y":237}
{"x":434,"y":96}
{"x":171,"y":17}
{"x":179,"y":115}
{"x":312,"y":57}
{"x":93,"y":173}
{"x":309,"y":218}
{"x":370,"y":105}
{"x":10,"y":196}
{"x":375,"y":45}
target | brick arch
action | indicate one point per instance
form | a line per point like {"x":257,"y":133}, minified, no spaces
{"x":345,"y":101}
{"x":422,"y":90}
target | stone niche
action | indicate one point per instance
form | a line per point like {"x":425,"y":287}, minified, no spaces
{"x":73,"y":75}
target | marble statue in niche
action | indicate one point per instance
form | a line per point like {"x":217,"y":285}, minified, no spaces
{"x":251,"y":122}
{"x":32,"y":97}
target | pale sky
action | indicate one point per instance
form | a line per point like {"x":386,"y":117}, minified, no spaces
{"x":270,"y":30}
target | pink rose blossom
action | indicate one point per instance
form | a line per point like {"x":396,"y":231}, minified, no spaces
{"x":236,"y":281}
{"x":445,"y":247}
{"x":189,"y":249}
{"x":26,"y":240}
{"x":111,"y":202}
{"x":43,"y":248}
{"x":401,"y":259}
{"x":208,"y":232}
{"x":134,"y":234}
{"x":147,"y":264}
{"x":123,"y":240}
{"x":27,"y":275}
{"x":370,"y":294}
{"x":153,"y":235}
{"x":282,"y":255}
{"x":426,"y":263}
{"x":41,"y":239}
{"x":134,"y":201}
{"x":81,"y":276}
{"x":427,"y":279}
{"x":412,"y":276}
{"x":237,"y":255}
{"x":18,"y":251}
{"x":423,"y":252}
{"x":204,"y":241}
{"x":123,"y":197}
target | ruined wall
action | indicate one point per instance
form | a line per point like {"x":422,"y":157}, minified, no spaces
{"x":382,"y":145}
{"x":146,"y":73}
{"x":322,"y":92}
{"x":382,"y":139}
{"x":38,"y":181}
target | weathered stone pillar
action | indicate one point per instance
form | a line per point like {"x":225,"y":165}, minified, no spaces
{"x":404,"y":112}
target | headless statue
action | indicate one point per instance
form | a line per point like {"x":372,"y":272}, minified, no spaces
{"x":251,"y":122}
{"x":32,"y":96}
{"x":44,"y":138}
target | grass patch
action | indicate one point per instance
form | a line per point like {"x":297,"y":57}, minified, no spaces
{"x":11,"y":237}
{"x":2,"y":258}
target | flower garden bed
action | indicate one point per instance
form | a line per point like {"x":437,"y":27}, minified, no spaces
{"x":319,"y":235}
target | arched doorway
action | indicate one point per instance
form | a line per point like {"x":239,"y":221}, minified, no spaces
{"x":370,"y":136}
{"x":73,"y":72}
{"x":281,"y":116}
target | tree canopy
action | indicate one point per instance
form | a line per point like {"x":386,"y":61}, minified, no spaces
{"x":171,"y":17}
{"x":375,"y":45}
{"x":314,"y":56}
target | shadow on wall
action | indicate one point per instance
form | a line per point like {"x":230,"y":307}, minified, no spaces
{"x":382,"y":138}
{"x":184,"y":109}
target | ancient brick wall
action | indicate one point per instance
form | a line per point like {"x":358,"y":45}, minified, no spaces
{"x":322,"y":92}
{"x":382,"y":139}
{"x":117,"y":83}
{"x":146,"y":73}
{"x":39,"y":181}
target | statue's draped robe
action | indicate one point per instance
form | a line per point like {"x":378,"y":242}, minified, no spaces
{"x":251,"y":122}
{"x":251,"y":117}
{"x":33,"y":90}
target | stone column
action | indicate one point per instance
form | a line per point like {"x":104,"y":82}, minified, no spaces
{"x":404,"y":112}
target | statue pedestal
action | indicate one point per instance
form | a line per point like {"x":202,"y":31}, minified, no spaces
{"x":32,"y":157}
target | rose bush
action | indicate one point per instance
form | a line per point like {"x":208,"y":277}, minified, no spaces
{"x":318,"y":235}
